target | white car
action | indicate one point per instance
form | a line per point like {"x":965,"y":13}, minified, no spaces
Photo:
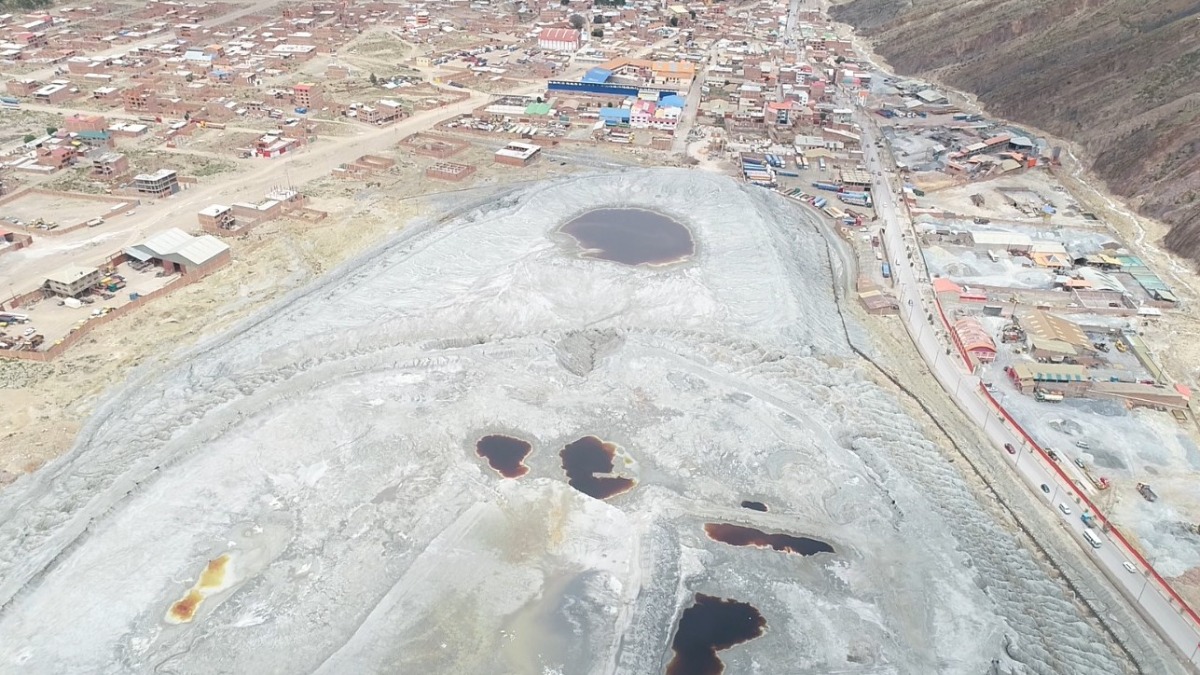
{"x":1065,"y":509}
{"x":29,"y":331}
{"x":1129,"y":566}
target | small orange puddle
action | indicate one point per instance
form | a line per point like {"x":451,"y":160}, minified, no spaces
{"x":213,"y":575}
{"x":211,"y":580}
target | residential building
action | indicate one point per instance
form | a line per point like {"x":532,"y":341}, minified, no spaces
{"x":517,"y":153}
{"x":217,"y":217}
{"x":108,"y":166}
{"x":161,"y":183}
{"x":72,"y":280}
{"x":306,"y":95}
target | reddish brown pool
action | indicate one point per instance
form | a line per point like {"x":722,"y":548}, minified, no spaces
{"x":505,"y":454}
{"x":737,"y":535}
{"x":707,"y":627}
{"x":589,"y":465}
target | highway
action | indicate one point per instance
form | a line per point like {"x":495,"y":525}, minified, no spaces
{"x":916,"y":302}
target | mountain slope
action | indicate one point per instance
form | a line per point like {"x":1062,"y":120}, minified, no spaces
{"x":1119,"y":77}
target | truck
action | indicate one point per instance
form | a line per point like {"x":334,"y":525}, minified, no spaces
{"x":1047,"y":396}
{"x":1088,"y":519}
{"x":823,"y":185}
{"x":887,"y":271}
{"x":1147,"y":494}
{"x":10,"y":102}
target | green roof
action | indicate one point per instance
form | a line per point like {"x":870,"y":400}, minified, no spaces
{"x":537,"y":109}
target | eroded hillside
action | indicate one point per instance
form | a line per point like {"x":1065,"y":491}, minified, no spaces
{"x":1120,"y":77}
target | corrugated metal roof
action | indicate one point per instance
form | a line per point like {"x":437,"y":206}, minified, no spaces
{"x":167,"y":241}
{"x":202,"y":249}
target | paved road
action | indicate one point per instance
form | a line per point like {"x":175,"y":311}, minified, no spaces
{"x":1150,"y":600}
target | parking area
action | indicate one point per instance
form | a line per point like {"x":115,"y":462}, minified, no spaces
{"x":53,"y":318}
{"x":54,"y":210}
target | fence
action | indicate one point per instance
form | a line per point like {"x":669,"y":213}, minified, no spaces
{"x":1108,"y":525}
{"x":71,"y":339}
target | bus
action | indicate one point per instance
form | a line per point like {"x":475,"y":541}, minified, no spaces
{"x":1091,"y":538}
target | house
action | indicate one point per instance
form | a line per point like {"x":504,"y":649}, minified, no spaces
{"x":216,"y":217}
{"x":559,"y":39}
{"x":517,"y":153}
{"x":108,"y":166}
{"x":72,"y":280}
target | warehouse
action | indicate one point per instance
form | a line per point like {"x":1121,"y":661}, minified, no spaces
{"x":177,"y":251}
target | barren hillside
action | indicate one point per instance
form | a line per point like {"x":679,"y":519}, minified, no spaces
{"x":1120,"y":77}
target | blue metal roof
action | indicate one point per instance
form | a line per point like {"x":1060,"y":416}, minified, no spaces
{"x":672,"y":100}
{"x":614,"y":114}
{"x":597,"y":75}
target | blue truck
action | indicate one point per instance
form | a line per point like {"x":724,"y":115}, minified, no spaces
{"x":887,"y":271}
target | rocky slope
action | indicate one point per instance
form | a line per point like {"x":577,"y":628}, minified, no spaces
{"x":1120,"y":77}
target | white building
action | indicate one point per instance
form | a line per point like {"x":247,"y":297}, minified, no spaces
{"x":559,"y":39}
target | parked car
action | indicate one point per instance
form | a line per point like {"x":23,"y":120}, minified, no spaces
{"x":1045,"y":488}
{"x":1079,"y":463}
{"x":1008,"y":447}
{"x":1129,"y":567}
{"x":1082,"y":444}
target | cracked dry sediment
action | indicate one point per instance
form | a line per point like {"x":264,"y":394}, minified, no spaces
{"x":327,"y":445}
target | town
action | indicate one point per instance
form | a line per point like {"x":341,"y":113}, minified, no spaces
{"x":193,"y":156}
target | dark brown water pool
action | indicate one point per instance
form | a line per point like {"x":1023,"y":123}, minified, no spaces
{"x":707,"y":627}
{"x":587,"y":457}
{"x":631,"y":236}
{"x":505,"y":454}
{"x":736,"y":535}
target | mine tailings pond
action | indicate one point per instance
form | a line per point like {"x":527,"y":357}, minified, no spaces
{"x":587,"y":457}
{"x":736,"y":535}
{"x":631,"y":236}
{"x":710,"y":625}
{"x":505,"y":454}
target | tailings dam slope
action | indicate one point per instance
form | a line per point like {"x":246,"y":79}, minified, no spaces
{"x":323,"y":459}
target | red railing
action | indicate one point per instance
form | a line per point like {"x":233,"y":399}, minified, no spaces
{"x":1112,"y":529}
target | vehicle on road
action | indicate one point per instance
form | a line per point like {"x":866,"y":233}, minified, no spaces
{"x":1008,"y":447}
{"x":1045,"y":488}
{"x":1082,"y":444}
{"x":1129,"y":566}
{"x":1088,"y":519}
{"x":1079,"y":463}
{"x":1064,"y":508}
{"x":1146,"y":493}
{"x":1092,"y":538}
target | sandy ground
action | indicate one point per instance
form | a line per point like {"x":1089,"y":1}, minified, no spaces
{"x":44,"y":404}
{"x":325,"y":446}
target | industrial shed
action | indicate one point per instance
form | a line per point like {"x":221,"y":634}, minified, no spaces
{"x":975,"y":339}
{"x":177,"y":251}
